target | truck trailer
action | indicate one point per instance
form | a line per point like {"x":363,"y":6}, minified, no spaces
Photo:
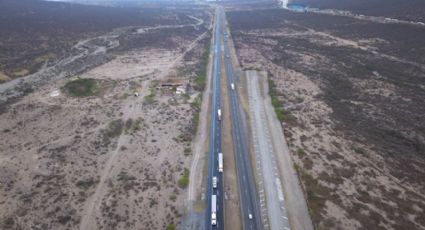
{"x":214,"y":210}
{"x":220,"y":162}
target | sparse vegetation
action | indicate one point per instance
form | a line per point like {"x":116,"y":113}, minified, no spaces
{"x":184,"y":179}
{"x":75,"y":139}
{"x":201,"y":78}
{"x":301,"y":152}
{"x":282,"y":114}
{"x":150,"y":98}
{"x":114,"y":129}
{"x":85,"y":184}
{"x":171,"y":227}
{"x":173,"y":197}
{"x":132,"y":126}
{"x":196,"y":106}
{"x":356,"y":108}
{"x":200,"y":81}
{"x":187,"y":151}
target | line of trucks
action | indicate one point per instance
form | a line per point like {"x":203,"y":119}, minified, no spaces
{"x":215,"y":179}
{"x":214,"y":197}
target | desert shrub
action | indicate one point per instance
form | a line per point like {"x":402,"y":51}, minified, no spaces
{"x":201,"y":77}
{"x":184,"y":179}
{"x":85,"y":184}
{"x":171,"y":227}
{"x":81,"y":87}
{"x":196,"y":106}
{"x":128,"y":124}
{"x":173,"y":197}
{"x":200,"y":82}
{"x":149,"y":99}
{"x":132,"y":125}
{"x":64,"y":219}
{"x":136,"y":124}
{"x":316,"y":195}
{"x":113,"y":130}
{"x":187,"y":151}
{"x":127,"y":181}
{"x":282,"y":114}
{"x":301,"y":152}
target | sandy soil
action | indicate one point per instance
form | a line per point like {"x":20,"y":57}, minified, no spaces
{"x":283,"y":189}
{"x":61,"y":156}
{"x":349,"y":183}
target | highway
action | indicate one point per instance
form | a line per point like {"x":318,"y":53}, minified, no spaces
{"x":246,"y":182}
{"x":247,"y":187}
{"x":215,"y":135}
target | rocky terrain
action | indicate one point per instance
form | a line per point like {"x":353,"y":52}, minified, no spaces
{"x":349,"y":94}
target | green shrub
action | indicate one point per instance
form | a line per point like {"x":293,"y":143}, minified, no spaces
{"x":301,"y":152}
{"x":282,"y":114}
{"x":200,"y":82}
{"x":171,"y":227}
{"x":173,"y":197}
{"x":113,"y":130}
{"x":149,"y":99}
{"x":85,"y":184}
{"x":187,"y":151}
{"x":81,"y":87}
{"x":184,"y":180}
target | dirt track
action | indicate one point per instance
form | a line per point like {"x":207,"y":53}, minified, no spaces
{"x":79,"y":176}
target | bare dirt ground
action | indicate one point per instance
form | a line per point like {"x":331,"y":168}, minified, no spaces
{"x":285,"y":201}
{"x":346,"y":92}
{"x":110,"y":160}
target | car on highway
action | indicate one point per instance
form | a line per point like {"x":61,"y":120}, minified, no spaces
{"x":227,"y":56}
{"x":250,"y":216}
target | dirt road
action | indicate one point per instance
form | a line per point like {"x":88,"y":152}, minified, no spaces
{"x":129,"y":111}
{"x":286,"y":206}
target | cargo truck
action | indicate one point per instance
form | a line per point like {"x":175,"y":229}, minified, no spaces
{"x":214,"y":182}
{"x":214,"y":210}
{"x":220,"y":162}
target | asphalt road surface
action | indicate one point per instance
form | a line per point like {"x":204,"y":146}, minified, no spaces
{"x":215,"y":135}
{"x":247,"y":187}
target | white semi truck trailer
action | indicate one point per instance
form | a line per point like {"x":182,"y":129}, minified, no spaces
{"x":214,"y":210}
{"x":220,"y":162}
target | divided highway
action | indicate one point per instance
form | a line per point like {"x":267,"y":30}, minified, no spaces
{"x":250,"y":212}
{"x":215,"y":139}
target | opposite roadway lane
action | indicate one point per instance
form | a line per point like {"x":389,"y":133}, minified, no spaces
{"x":247,"y":187}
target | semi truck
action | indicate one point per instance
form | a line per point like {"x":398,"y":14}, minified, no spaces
{"x":220,"y":162}
{"x":219,"y":114}
{"x":214,"y":210}
{"x":214,"y":182}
